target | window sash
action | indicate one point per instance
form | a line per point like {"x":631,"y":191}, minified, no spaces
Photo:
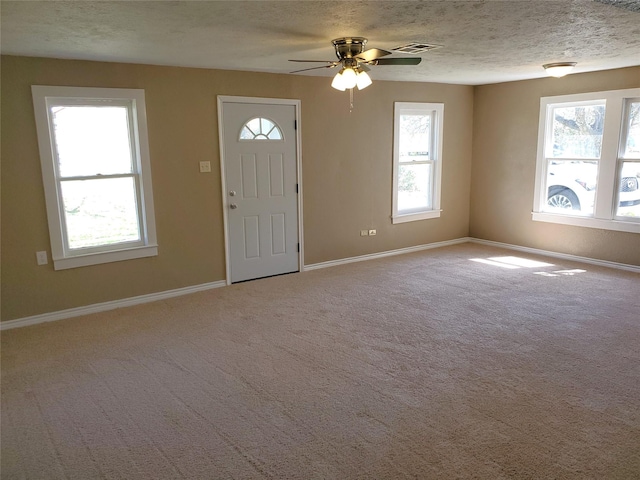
{"x":106,"y":247}
{"x":551,"y":108}
{"x":624,"y":159}
{"x":426,"y":181}
{"x":128,"y":105}
{"x":544,"y":207}
{"x":619,"y":193}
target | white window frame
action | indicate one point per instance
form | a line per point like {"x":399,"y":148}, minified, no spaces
{"x":436,"y":111}
{"x":44,"y":97}
{"x":609,"y":164}
{"x":621,"y":152}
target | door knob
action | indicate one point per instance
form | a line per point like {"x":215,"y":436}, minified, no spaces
{"x":232,"y":193}
{"x":233,"y":206}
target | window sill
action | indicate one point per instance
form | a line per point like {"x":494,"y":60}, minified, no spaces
{"x":590,"y":222}
{"x":104,"y":257}
{"x":412,"y":217}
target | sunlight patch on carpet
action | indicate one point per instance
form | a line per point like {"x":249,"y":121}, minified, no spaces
{"x":512,"y":262}
{"x":557,"y":273}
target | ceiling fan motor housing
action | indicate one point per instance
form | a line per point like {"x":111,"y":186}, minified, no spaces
{"x":349,"y":47}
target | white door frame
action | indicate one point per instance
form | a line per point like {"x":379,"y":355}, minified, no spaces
{"x":222,"y":99}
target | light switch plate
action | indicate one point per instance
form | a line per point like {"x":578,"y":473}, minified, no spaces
{"x":205,"y":167}
{"x":41,"y":258}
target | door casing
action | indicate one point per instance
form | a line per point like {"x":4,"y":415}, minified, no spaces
{"x":222,"y":99}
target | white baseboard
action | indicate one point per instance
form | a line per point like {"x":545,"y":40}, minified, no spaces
{"x":103,"y":307}
{"x":126,"y":302}
{"x":563,"y":256}
{"x":372,"y":256}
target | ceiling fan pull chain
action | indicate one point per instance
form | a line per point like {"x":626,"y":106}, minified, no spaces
{"x":350,"y":100}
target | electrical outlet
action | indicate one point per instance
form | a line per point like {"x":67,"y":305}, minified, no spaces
{"x":372,"y":232}
{"x":41,"y":258}
{"x":205,"y":167}
{"x":364,"y":233}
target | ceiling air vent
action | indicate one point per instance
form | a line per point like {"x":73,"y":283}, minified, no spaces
{"x":415,"y":48}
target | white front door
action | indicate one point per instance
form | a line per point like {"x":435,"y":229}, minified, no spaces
{"x":261,"y":189}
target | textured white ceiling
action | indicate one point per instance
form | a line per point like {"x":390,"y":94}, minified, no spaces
{"x":484,"y":41}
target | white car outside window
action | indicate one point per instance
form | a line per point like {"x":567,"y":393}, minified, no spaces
{"x":572,"y":186}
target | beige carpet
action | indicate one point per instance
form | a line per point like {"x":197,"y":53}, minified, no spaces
{"x":426,"y":365}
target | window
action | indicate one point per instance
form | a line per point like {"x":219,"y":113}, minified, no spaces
{"x":260,"y":129}
{"x":628,"y":204}
{"x":588,"y":163}
{"x":417,"y":161}
{"x":96,"y":172}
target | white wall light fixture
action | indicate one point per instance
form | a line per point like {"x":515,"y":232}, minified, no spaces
{"x":559,"y":69}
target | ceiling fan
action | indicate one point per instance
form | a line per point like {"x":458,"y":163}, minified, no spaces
{"x":354,"y":61}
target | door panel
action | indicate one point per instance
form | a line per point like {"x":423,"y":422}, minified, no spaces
{"x":278,"y":234}
{"x":261,"y":190}
{"x":276,"y":175}
{"x":251,"y":237}
{"x":249,"y":176}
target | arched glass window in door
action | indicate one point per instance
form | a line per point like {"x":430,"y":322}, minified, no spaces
{"x":260,"y":129}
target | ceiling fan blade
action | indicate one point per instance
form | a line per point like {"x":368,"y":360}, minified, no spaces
{"x":372,"y":54}
{"x":313,"y":61}
{"x":314,"y":68}
{"x":397,"y":61}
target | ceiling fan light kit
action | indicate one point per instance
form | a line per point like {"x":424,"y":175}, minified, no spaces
{"x":559,"y":69}
{"x":349,"y":78}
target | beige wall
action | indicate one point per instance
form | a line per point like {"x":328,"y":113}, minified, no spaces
{"x":346,"y":157}
{"x":505,"y":134}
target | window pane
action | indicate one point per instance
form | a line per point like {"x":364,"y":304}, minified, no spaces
{"x":577,"y":131}
{"x":100,"y":212}
{"x":274,"y":134}
{"x":629,"y":200}
{"x":632,"y":148}
{"x":246,"y":134}
{"x":571,"y":187}
{"x":254,"y":125}
{"x":414,"y":186}
{"x":415,"y":137}
{"x":92,"y":140}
